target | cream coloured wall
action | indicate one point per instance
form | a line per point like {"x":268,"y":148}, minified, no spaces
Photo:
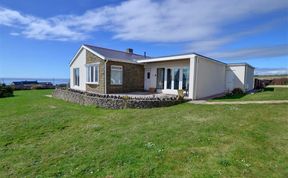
{"x":79,"y":62}
{"x":242,"y":76}
{"x":249,"y":79}
{"x":166,"y":64}
{"x":210,"y":78}
{"x":238,"y":73}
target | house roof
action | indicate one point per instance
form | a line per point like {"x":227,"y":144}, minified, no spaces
{"x":177,"y":57}
{"x":121,"y":56}
{"x":115,"y":55}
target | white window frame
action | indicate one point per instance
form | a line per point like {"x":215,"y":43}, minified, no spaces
{"x":88,"y":75}
{"x":76,"y":82}
{"x":120,"y":69}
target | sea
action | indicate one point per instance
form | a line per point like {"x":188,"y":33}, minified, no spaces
{"x":54,"y":81}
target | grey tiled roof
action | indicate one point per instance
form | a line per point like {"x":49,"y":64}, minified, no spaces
{"x":115,"y":55}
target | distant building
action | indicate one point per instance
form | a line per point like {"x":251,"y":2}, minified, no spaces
{"x":28,"y":85}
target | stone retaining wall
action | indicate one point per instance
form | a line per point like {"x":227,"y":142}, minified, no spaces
{"x":113,"y":102}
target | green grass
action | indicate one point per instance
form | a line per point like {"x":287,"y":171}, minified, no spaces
{"x":267,"y":94}
{"x":46,"y":137}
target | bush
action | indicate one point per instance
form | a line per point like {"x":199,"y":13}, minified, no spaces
{"x":237,"y":91}
{"x":6,"y":91}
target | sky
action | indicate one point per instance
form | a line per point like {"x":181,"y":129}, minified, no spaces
{"x":38,"y":39}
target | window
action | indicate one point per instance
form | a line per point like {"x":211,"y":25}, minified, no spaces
{"x":76,"y":77}
{"x":176,"y":78}
{"x":148,"y":75}
{"x":116,"y":75}
{"x":93,"y":73}
{"x":185,"y":78}
{"x":169,"y":78}
{"x":160,"y":78}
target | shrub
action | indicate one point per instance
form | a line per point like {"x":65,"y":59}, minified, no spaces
{"x":237,"y":91}
{"x":6,"y":91}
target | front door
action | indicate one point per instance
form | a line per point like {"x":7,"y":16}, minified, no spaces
{"x":147,"y":79}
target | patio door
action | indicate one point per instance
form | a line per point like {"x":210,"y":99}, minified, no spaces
{"x":160,"y":78}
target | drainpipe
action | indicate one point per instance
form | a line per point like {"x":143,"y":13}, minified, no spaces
{"x":195,"y":78}
{"x":105,"y":77}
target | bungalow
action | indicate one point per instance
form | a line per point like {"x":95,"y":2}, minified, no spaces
{"x":107,"y":71}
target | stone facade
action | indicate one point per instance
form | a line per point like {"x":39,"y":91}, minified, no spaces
{"x":133,"y":78}
{"x":97,"y":88}
{"x":113,"y":102}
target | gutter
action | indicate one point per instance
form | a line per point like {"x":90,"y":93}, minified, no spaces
{"x":105,"y":77}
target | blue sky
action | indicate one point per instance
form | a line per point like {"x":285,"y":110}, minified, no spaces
{"x":39,"y":38}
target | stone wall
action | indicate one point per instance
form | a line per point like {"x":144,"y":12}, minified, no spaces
{"x":113,"y":102}
{"x":98,"y":88}
{"x":133,"y":78}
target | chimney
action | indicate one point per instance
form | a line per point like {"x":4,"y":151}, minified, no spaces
{"x":129,"y":50}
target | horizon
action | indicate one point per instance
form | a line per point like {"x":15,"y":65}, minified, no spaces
{"x":38,"y":40}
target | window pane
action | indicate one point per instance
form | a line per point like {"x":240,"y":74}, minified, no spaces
{"x":185,"y":82}
{"x":92,"y":74}
{"x":176,"y":78}
{"x":96,"y":73}
{"x":116,"y":75}
{"x":88,"y":74}
{"x":76,"y":76}
{"x":160,"y":78}
{"x":169,"y":78}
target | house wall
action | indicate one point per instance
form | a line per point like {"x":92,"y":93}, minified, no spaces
{"x":133,"y":78}
{"x":79,"y":62}
{"x":96,"y":88}
{"x":209,"y":79}
{"x":238,"y":77}
{"x":166,"y":64}
{"x":242,"y":76}
{"x":249,"y":80}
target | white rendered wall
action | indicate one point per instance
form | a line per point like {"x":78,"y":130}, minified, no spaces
{"x":249,"y":79}
{"x":238,"y":76}
{"x":210,"y":78}
{"x":79,"y":62}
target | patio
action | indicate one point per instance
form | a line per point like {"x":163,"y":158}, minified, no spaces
{"x":144,"y":95}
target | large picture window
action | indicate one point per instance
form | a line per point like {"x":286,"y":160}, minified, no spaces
{"x":116,"y":75}
{"x":76,"y":77}
{"x":176,"y":78}
{"x":93,"y":73}
{"x":185,"y":79}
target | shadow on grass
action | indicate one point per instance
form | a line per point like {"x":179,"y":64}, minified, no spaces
{"x":238,"y":96}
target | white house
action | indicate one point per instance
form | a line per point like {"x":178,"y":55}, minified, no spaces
{"x":102,"y":70}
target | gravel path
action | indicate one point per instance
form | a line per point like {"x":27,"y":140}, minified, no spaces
{"x":239,"y":102}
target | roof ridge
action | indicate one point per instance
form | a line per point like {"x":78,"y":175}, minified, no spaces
{"x":112,"y":49}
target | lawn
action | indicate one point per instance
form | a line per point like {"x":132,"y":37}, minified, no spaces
{"x":47,"y":137}
{"x":267,"y":94}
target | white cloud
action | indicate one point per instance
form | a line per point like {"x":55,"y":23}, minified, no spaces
{"x":144,"y":20}
{"x":256,"y":52}
{"x":271,"y":71}
{"x":206,"y":45}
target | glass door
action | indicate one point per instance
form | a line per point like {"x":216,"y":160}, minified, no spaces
{"x":176,"y":78}
{"x":160,"y":78}
{"x":169,"y":78}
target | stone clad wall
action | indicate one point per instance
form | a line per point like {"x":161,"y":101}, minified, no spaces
{"x":133,"y":78}
{"x":98,"y":88}
{"x":112,"y":102}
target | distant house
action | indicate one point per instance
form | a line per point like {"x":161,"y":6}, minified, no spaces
{"x":27,"y":85}
{"x":106,"y":71}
